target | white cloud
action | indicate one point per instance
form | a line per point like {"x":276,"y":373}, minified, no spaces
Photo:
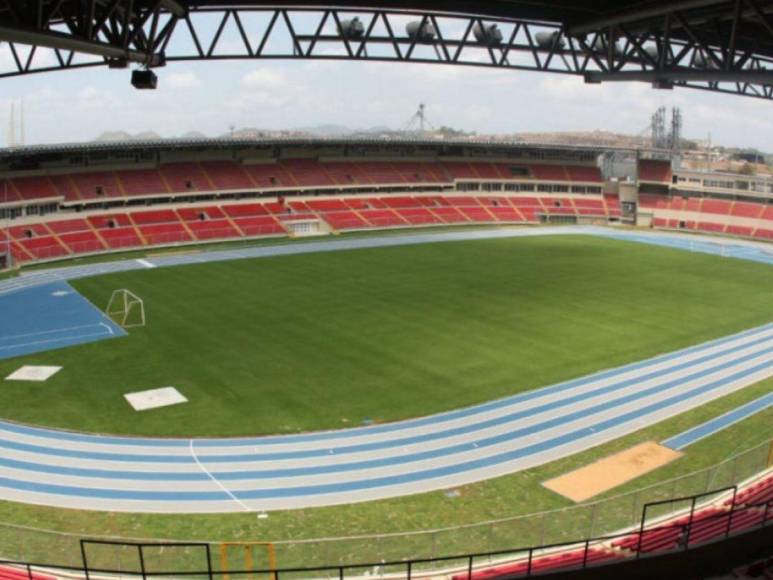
{"x":78,"y":105}
{"x":182,"y":80}
{"x":263,"y":78}
{"x":248,"y":101}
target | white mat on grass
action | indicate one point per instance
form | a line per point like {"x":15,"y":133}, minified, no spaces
{"x":154,"y":398}
{"x":33,"y":373}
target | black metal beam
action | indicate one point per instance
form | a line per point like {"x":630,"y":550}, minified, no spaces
{"x":144,"y":31}
{"x":637,"y":15}
{"x":60,"y":41}
{"x":762,"y":77}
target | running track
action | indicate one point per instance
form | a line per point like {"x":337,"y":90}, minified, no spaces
{"x":219,"y":475}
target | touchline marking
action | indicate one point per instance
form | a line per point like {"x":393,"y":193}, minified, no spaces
{"x":213,"y":478}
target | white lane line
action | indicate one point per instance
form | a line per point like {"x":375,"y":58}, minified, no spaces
{"x":110,"y":330}
{"x":213,"y":478}
{"x":53,"y":340}
{"x":146,"y":263}
{"x":55,"y":330}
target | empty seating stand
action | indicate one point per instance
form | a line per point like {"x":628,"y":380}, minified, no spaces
{"x":33,"y":188}
{"x":750,"y":508}
{"x":178,"y":224}
{"x":654,"y":171}
{"x":9,"y":572}
{"x":218,"y":176}
{"x":185,"y":177}
{"x":227,"y":176}
{"x":141,"y":182}
{"x":734,"y":218}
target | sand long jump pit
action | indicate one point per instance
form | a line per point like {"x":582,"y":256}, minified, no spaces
{"x":611,"y":471}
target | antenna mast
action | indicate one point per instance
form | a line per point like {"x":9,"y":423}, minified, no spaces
{"x":419,"y":118}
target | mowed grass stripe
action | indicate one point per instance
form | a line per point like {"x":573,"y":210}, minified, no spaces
{"x":326,"y":340}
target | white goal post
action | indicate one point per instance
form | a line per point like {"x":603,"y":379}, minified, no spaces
{"x":126,"y":308}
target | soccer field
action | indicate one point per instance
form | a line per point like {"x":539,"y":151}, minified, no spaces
{"x":332,"y":340}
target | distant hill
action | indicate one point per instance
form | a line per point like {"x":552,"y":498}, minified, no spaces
{"x":108,"y":136}
{"x":341,"y":130}
{"x":193,"y":135}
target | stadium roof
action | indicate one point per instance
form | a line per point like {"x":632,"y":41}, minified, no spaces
{"x":65,"y":149}
{"x":719,"y":45}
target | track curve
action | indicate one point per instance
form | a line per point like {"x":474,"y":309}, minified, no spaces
{"x":76,"y":470}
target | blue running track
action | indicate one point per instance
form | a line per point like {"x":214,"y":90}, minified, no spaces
{"x":50,"y":316}
{"x":717,"y":424}
{"x":78,"y":470}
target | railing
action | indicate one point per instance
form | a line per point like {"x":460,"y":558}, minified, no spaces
{"x":144,"y":559}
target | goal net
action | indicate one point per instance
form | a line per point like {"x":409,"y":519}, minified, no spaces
{"x":126,"y":308}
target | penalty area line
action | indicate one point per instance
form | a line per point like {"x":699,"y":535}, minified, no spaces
{"x":213,"y":478}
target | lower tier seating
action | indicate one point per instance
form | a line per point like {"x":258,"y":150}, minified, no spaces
{"x":8,"y":572}
{"x":64,"y":235}
{"x":751,"y":508}
{"x":734,"y":218}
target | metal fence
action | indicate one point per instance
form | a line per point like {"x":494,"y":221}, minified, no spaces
{"x":578,"y":522}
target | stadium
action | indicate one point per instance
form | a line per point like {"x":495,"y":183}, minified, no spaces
{"x":406,"y":356}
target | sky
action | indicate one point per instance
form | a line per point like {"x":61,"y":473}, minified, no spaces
{"x":78,"y":105}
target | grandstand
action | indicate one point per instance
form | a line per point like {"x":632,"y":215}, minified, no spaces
{"x":495,"y":359}
{"x":84,"y":200}
{"x":709,"y":202}
{"x":58,"y":210}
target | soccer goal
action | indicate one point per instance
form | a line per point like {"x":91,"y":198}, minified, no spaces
{"x":126,"y":308}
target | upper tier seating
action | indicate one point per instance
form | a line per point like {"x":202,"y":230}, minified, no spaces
{"x":654,"y":170}
{"x":32,"y":188}
{"x":141,"y":182}
{"x":583,"y":173}
{"x":268,"y":175}
{"x":486,"y":170}
{"x":308,"y":172}
{"x":227,"y":175}
{"x":550,"y":172}
{"x":185,"y":177}
{"x":224,"y":176}
{"x":461,"y":170}
{"x":92,"y":185}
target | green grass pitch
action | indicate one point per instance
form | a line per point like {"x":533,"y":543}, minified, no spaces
{"x":329,"y":340}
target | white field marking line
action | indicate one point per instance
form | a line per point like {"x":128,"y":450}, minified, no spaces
{"x":145,"y":263}
{"x":66,"y":329}
{"x":51,"y":340}
{"x":213,"y":478}
{"x":110,"y":330}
